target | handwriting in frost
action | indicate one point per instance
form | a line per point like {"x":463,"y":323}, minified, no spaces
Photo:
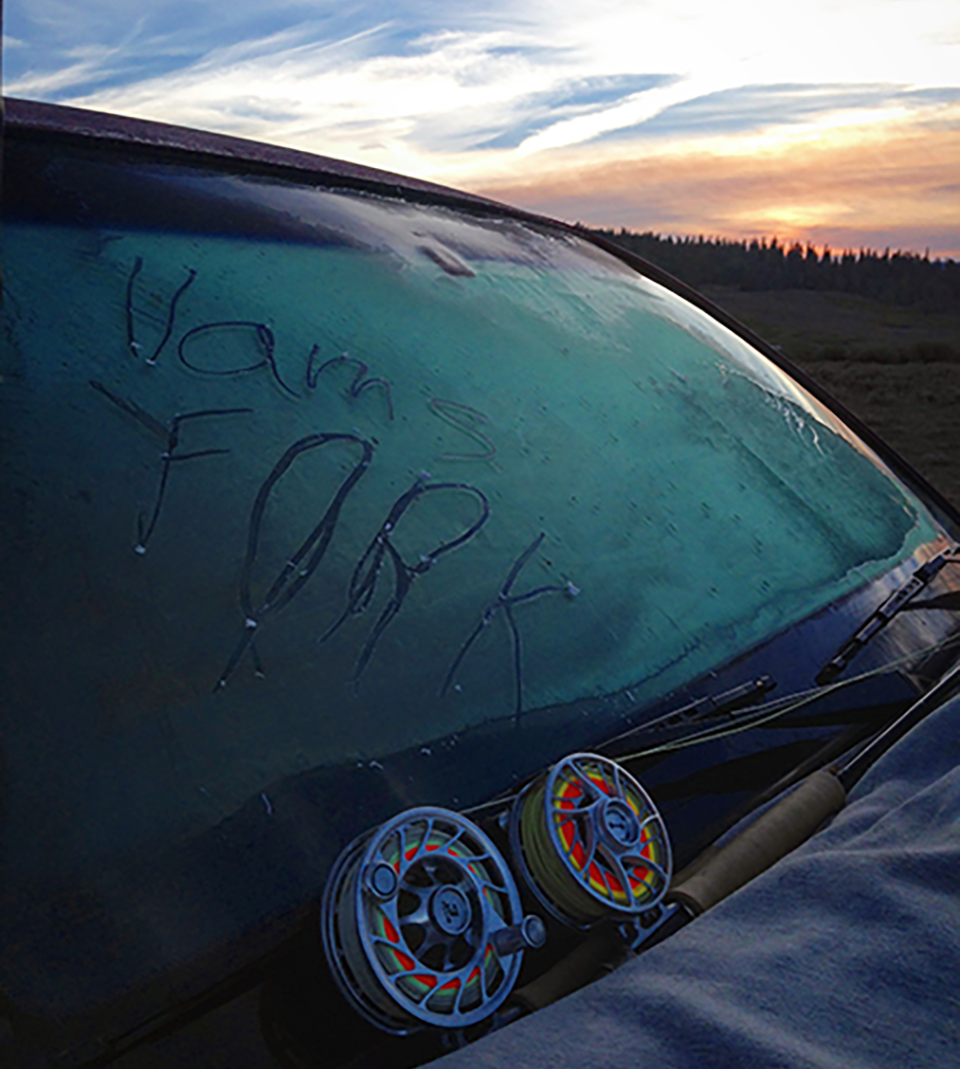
{"x":466,"y":420}
{"x":506,"y":601}
{"x":261,"y":332}
{"x":360,"y":381}
{"x":170,"y":436}
{"x":132,"y":344}
{"x":363,"y":582}
{"x":307,"y":557}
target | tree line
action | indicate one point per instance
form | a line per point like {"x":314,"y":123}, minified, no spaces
{"x":902,"y":278}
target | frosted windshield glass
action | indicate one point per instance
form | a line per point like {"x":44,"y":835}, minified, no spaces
{"x":382,"y":474}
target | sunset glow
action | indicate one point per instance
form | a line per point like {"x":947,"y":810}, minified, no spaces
{"x":874,"y":185}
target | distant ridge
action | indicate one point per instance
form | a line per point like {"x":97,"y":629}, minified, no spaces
{"x":901,"y":278}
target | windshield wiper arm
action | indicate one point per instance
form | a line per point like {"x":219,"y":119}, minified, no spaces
{"x":880,"y":617}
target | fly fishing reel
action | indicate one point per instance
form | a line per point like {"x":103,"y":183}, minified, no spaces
{"x":590,"y":843}
{"x":422,"y":923}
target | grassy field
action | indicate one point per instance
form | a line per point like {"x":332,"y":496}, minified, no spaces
{"x":897,"y":368}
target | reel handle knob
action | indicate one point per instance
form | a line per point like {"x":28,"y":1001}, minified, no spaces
{"x":529,"y":934}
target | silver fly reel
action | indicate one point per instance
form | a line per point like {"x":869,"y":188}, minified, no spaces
{"x":422,"y":923}
{"x":590,"y":842}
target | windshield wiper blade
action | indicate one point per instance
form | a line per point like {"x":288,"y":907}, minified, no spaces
{"x":880,"y":617}
{"x":710,"y":709}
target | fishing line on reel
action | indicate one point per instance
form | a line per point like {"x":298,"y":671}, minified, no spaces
{"x":590,"y":843}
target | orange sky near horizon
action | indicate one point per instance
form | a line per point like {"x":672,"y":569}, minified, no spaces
{"x":889,"y":185}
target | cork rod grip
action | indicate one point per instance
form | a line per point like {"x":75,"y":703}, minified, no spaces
{"x":770,"y":837}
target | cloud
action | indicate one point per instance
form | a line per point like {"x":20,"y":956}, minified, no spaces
{"x":524,"y":116}
{"x":440,"y":93}
{"x":163,"y":38}
{"x":636,"y":109}
{"x":756,"y":107}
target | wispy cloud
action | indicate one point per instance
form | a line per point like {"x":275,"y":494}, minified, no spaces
{"x":756,"y":107}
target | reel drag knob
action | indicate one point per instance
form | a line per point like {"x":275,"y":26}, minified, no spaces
{"x":530,"y":933}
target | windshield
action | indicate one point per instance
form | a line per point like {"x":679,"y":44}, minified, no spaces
{"x":299,"y":477}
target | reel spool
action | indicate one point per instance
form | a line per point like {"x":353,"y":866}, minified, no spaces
{"x":422,"y":923}
{"x":590,"y":842}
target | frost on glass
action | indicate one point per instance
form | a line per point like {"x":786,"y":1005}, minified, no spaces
{"x":273,"y":504}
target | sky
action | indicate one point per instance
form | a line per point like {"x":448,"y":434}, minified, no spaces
{"x":830,"y":122}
